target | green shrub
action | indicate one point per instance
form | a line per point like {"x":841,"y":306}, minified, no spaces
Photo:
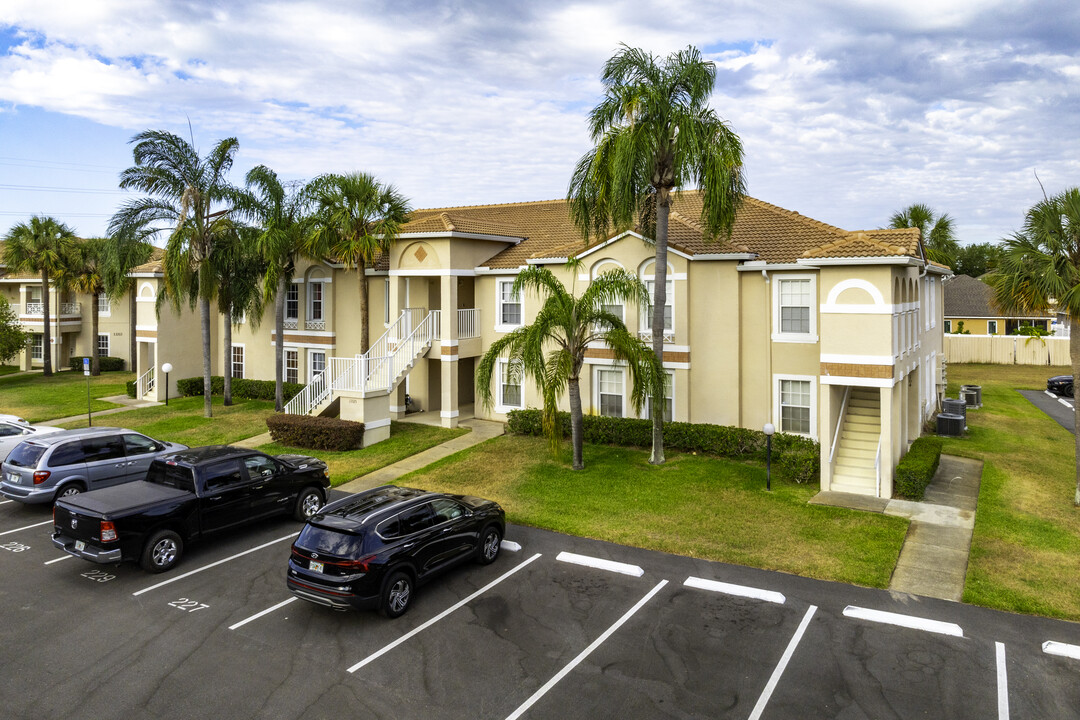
{"x":796,"y":457}
{"x":131,"y":388}
{"x":315,"y":433}
{"x":917,"y":468}
{"x":242,"y":388}
{"x":106,"y":364}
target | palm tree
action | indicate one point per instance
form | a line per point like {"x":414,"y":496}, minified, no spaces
{"x":1039,"y":271}
{"x":185,"y":193}
{"x":121,"y":253}
{"x":938,"y":234}
{"x":357,"y":218}
{"x":239,"y":268}
{"x":82,"y":272}
{"x":283,"y":212}
{"x":655,"y":133}
{"x":41,"y":246}
{"x":551,"y":350}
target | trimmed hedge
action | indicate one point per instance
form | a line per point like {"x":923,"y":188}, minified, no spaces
{"x":131,"y":388}
{"x":796,"y":458}
{"x":314,"y":432}
{"x":917,"y":468}
{"x":242,"y":388}
{"x":106,"y":364}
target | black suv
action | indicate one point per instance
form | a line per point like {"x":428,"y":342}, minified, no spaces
{"x":372,"y":549}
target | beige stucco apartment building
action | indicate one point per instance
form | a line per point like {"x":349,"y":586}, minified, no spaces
{"x":830,"y":334}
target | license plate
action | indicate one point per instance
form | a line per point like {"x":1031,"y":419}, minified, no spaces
{"x":13,"y":478}
{"x":316,"y":566}
{"x":80,"y":545}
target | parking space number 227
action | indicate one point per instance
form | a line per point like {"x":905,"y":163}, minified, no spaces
{"x":188,"y":605}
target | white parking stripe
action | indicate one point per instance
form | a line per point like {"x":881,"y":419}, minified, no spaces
{"x":510,"y":545}
{"x":5,"y":502}
{"x":1050,"y":394}
{"x":585,"y":653}
{"x":1003,"y":683}
{"x":27,"y":527}
{"x":1051,"y":647}
{"x":65,"y":557}
{"x":784,"y":660}
{"x":908,"y":621}
{"x":441,"y":615}
{"x":739,"y":590}
{"x":600,"y":563}
{"x":1065,"y":403}
{"x":290,"y":536}
{"x":258,"y":615}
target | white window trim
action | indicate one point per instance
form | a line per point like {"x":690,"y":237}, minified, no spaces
{"x":500,"y":406}
{"x":285,"y":363}
{"x":386,"y":302}
{"x":310,"y":301}
{"x":645,"y":408}
{"x":948,"y":326}
{"x":995,"y":330}
{"x":107,"y":311}
{"x":310,"y":354}
{"x":285,"y":313}
{"x":108,"y":345}
{"x":777,"y":336}
{"x":37,"y":341}
{"x":243,"y":360}
{"x":500,"y":326}
{"x":777,"y":378}
{"x":596,"y":387}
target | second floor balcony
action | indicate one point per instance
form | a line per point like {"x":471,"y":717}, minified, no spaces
{"x":65,"y":309}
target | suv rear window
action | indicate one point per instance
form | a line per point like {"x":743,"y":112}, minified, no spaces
{"x":174,"y":476}
{"x":331,"y":542}
{"x":25,"y":455}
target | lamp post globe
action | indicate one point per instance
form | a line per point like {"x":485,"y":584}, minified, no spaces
{"x":166,"y":368}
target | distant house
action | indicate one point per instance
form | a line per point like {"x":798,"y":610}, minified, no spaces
{"x":970,"y":301}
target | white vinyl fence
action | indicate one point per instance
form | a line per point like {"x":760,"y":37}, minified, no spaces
{"x":1007,"y":349}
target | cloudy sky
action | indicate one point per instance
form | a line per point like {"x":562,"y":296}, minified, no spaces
{"x":849,"y":109}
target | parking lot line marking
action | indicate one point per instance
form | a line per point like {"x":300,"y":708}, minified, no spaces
{"x":510,"y":545}
{"x":740,"y":590}
{"x":1050,"y":647}
{"x":600,"y":563}
{"x":1003,"y":683}
{"x":258,"y":615}
{"x":440,"y":616}
{"x":290,"y":536}
{"x":1050,"y":394}
{"x":759,"y":708}
{"x":908,"y":621}
{"x":585,"y":653}
{"x":1065,"y":403}
{"x":65,"y":557}
{"x":5,"y":502}
{"x":27,"y":527}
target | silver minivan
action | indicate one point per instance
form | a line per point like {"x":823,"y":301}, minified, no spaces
{"x":74,"y":461}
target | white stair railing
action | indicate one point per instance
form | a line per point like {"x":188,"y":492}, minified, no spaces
{"x":839,"y":424}
{"x":144,"y":384}
{"x":468,"y":323}
{"x":877,"y":466}
{"x":310,"y":397}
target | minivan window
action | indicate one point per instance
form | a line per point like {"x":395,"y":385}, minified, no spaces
{"x":174,"y":476}
{"x":25,"y":454}
{"x":103,"y":448}
{"x":139,"y":444}
{"x":222,"y":474}
{"x":70,"y":453}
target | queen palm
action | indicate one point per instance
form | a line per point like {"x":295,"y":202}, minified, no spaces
{"x":357,"y":217}
{"x":655,"y":133}
{"x":1039,"y":272}
{"x":120,"y":254}
{"x":187,"y":193}
{"x":82,"y":272}
{"x":551,"y":350}
{"x":938,"y":235}
{"x":239,"y":268}
{"x":43,"y":246}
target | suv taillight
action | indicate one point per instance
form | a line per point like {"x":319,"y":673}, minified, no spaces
{"x":108,"y":531}
{"x":41,"y":476}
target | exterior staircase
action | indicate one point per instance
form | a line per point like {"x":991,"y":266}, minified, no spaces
{"x":857,"y":451}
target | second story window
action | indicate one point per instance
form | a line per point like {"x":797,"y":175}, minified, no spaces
{"x":669,"y":307}
{"x":103,"y":304}
{"x":315,"y":301}
{"x":509,"y":305}
{"x":292,"y":302}
{"x":794,"y":315}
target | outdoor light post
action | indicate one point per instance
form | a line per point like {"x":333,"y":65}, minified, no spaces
{"x":769,"y":430}
{"x":166,"y":368}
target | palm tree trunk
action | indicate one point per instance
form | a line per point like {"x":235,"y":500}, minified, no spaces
{"x":663,"y":210}
{"x":95,"y":361}
{"x":46,"y":336}
{"x":204,"y":316}
{"x":1074,"y":355}
{"x":360,"y":267}
{"x":133,"y":346}
{"x":279,"y":348}
{"x":227,"y":343}
{"x":576,"y":434}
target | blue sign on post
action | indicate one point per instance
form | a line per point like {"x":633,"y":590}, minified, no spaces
{"x":86,"y":366}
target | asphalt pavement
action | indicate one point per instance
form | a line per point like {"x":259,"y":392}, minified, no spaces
{"x":1061,"y":409}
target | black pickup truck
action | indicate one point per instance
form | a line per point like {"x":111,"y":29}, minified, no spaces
{"x":187,"y":496}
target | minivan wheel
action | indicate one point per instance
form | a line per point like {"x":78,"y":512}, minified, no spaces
{"x":490,"y":544}
{"x":397,"y":595}
{"x":162,"y":551}
{"x":307,"y":504}
{"x":70,"y":490}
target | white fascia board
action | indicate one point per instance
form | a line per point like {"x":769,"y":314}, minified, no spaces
{"x":510,"y":239}
{"x":433,"y":272}
{"x":376,"y":273}
{"x":892,"y":260}
{"x":146,"y":275}
{"x":857,"y":359}
{"x":758,"y":266}
{"x":547,"y":260}
{"x":858,"y":381}
{"x":499,"y":271}
{"x":724,"y":256}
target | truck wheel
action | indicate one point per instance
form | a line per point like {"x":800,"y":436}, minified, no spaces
{"x":307,"y":504}
{"x":162,"y":551}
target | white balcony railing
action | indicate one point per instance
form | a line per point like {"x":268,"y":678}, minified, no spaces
{"x":290,"y":323}
{"x":67,"y":308}
{"x":468,"y":323}
{"x":314,"y":324}
{"x":144,"y":384}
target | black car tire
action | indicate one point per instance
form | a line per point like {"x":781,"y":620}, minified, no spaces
{"x":1069,"y":391}
{"x":397,"y":595}
{"x":490,"y":544}
{"x":69,"y":490}
{"x":162,"y":551}
{"x":308,"y":503}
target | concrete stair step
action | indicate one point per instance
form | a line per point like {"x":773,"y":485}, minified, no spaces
{"x":853,"y":485}
{"x":857,"y":454}
{"x":848,"y":436}
{"x":855,"y":471}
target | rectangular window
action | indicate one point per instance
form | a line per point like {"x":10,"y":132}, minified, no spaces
{"x":317,"y":360}
{"x":315,"y":295}
{"x":292,"y":302}
{"x":669,"y":306}
{"x":991,"y":327}
{"x":510,"y":384}
{"x":609,"y":390}
{"x":103,"y":345}
{"x":238,"y":361}
{"x":509,"y":304}
{"x":37,"y":347}
{"x":669,"y":399}
{"x":795,"y":306}
{"x":103,"y":304}
{"x":33,"y":294}
{"x":948,"y":326}
{"x":386,"y":301}
{"x":795,"y":406}
{"x":292,"y":366}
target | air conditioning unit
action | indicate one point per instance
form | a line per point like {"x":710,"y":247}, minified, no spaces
{"x":951,"y":406}
{"x":972,"y":395}
{"x":950,"y":424}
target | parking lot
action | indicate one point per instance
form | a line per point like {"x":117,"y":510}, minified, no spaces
{"x":556,"y":627}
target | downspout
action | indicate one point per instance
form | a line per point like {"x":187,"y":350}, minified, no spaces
{"x":768,"y":346}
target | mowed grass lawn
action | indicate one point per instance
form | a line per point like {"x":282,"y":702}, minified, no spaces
{"x":8,"y":369}
{"x":1025,"y":553}
{"x":692,"y":505}
{"x":39,"y":398}
{"x":405,"y":439}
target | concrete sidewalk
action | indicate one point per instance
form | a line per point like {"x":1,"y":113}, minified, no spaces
{"x":933,"y":561}
{"x":129,"y":403}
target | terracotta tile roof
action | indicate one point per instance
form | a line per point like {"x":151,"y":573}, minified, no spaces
{"x":425,"y":221}
{"x":968,"y":297}
{"x":154,"y":265}
{"x":870,"y":243}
